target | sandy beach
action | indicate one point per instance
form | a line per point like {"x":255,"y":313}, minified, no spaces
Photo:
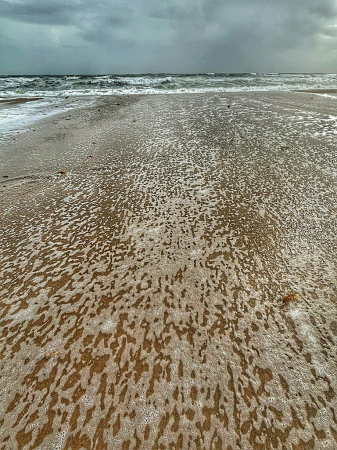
{"x":168,"y":275}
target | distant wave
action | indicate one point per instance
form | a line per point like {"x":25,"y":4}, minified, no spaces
{"x":112,"y":84}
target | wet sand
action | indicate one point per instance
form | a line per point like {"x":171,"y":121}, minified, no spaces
{"x":320,"y":91}
{"x":143,"y":291}
{"x":5,"y":102}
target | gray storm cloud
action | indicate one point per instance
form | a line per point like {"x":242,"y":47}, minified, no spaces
{"x":136,"y":36}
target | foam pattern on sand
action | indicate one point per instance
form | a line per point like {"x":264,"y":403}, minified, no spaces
{"x":141,"y":298}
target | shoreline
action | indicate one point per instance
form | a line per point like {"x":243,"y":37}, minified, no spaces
{"x":68,"y":103}
{"x":168,"y":267}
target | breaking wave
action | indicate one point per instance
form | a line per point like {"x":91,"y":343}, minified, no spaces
{"x":70,"y":85}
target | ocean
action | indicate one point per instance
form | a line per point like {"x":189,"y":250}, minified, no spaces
{"x":61,"y":86}
{"x":67,"y":92}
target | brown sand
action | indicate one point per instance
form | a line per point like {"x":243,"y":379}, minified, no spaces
{"x":5,"y":102}
{"x":175,"y":288}
{"x":320,"y":91}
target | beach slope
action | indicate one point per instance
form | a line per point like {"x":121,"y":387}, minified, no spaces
{"x":168,"y":275}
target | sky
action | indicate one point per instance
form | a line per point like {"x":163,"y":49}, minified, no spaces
{"x":172,"y":36}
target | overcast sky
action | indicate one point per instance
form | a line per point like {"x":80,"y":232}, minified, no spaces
{"x":177,"y":36}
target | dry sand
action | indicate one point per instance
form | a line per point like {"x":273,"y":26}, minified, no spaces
{"x":143,"y":293}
